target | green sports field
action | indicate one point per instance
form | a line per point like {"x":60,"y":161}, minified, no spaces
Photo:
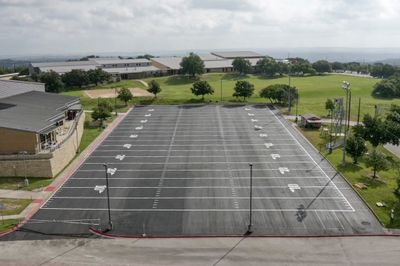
{"x":313,"y":91}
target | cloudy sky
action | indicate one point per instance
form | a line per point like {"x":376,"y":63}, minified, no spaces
{"x":89,"y":26}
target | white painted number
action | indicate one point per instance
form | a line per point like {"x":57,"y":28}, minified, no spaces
{"x":293,"y":187}
{"x":274,"y":156}
{"x":111,"y":171}
{"x":263,"y":135}
{"x":143,"y":121}
{"x":100,"y":189}
{"x":139,"y":128}
{"x":254,"y":120}
{"x":133,"y":136}
{"x":128,"y":146}
{"x":268,"y":145}
{"x":147,"y":115}
{"x":250,"y":114}
{"x":120,"y":157}
{"x":151,"y":110}
{"x":283,"y":170}
{"x":257,"y":127}
{"x":247,"y":109}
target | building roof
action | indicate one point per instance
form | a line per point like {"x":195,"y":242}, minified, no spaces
{"x":34,"y":111}
{"x":65,"y":69}
{"x":127,"y":70}
{"x":169,"y":62}
{"x":210,"y":57}
{"x":63,"y":64}
{"x":13,"y":87}
{"x":234,"y":54}
{"x":114,"y":60}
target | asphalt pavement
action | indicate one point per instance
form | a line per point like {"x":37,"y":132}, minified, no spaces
{"x":184,"y":171}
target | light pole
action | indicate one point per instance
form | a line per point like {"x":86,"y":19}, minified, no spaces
{"x":26,"y":181}
{"x":250,"y":225}
{"x":297,"y":107}
{"x":110,"y":225}
{"x":115,"y":101}
{"x":346,"y":87}
{"x":290,"y":100}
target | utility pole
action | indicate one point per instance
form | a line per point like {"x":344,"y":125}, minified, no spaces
{"x":359,"y":108}
{"x":221,"y":89}
{"x":346,"y":87}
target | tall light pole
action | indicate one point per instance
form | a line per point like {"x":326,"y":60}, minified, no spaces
{"x":346,"y":87}
{"x":250,"y":225}
{"x":110,"y":225}
{"x":290,"y":100}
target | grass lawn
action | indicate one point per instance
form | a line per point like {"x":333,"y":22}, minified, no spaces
{"x":7,"y":224}
{"x":14,"y":206}
{"x":91,"y":131}
{"x":313,"y":91}
{"x":15,"y":183}
{"x":379,"y":190}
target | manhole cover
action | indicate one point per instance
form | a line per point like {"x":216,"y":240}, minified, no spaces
{"x":365,"y":223}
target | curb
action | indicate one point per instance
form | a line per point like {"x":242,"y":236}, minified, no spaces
{"x":114,"y":236}
{"x":59,"y":183}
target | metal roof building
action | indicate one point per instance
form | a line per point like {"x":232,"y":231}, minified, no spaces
{"x":234,"y":54}
{"x":13,"y":87}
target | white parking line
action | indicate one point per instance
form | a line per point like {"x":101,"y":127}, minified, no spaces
{"x":204,"y":178}
{"x":186,"y":163}
{"x":195,"y":198}
{"x":202,"y":187}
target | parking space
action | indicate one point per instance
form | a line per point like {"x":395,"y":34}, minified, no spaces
{"x":184,"y":170}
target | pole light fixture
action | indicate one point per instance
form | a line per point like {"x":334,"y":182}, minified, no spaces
{"x":250,"y":225}
{"x":346,"y":87}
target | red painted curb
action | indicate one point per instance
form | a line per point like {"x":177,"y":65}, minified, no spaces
{"x":60,"y":183}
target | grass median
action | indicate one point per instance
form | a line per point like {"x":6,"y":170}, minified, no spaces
{"x":377,"y":190}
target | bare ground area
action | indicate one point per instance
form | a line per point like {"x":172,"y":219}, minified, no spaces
{"x":110,"y":93}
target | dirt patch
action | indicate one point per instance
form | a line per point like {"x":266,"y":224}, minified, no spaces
{"x":110,"y":93}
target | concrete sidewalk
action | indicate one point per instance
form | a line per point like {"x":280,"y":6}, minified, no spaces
{"x":39,"y":197}
{"x":204,"y":251}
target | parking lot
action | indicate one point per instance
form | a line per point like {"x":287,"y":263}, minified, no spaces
{"x":184,"y":171}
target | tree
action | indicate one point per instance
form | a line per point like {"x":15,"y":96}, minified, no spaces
{"x":192,"y":65}
{"x":202,"y":88}
{"x":268,"y":66}
{"x":98,"y":75}
{"x":125,"y":95}
{"x":377,"y":161}
{"x":243,"y":89}
{"x":299,"y":66}
{"x":373,"y":130}
{"x":355,"y":147}
{"x":380,"y":70}
{"x":337,"y":66}
{"x":76,"y":77}
{"x":145,"y":56}
{"x":243,"y":66}
{"x":279,"y":94}
{"x":322,"y":66}
{"x":329,"y":106}
{"x":52,"y":80}
{"x":102,"y":111}
{"x":154,"y":88}
{"x":385,"y":89}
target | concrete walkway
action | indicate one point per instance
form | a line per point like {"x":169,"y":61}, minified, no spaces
{"x":204,"y":251}
{"x":39,"y":197}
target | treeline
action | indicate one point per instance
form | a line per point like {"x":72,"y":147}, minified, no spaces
{"x":76,"y":78}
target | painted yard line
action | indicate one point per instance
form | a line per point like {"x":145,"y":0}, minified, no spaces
{"x":202,"y":145}
{"x":196,"y":198}
{"x":204,"y":178}
{"x":193,"y":170}
{"x":192,"y":140}
{"x":189,"y":135}
{"x":202,"y":187}
{"x":330,"y":180}
{"x":195,"y":156}
{"x":185,"y":163}
{"x":193,"y":210}
{"x":193,"y":150}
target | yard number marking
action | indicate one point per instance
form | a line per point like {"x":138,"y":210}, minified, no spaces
{"x":111,"y":171}
{"x":275,"y":155}
{"x":139,"y":128}
{"x":120,"y":157}
{"x":268,"y":145}
{"x":283,"y":170}
{"x":293,"y":187}
{"x":100,"y":189}
{"x":128,"y":146}
{"x":133,"y":136}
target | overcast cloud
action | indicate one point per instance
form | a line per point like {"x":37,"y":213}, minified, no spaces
{"x":80,"y":26}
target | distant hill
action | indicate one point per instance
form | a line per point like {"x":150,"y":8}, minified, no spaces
{"x":10,"y":63}
{"x":390,"y":61}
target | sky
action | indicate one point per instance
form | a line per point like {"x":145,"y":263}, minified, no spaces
{"x":88,"y":26}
